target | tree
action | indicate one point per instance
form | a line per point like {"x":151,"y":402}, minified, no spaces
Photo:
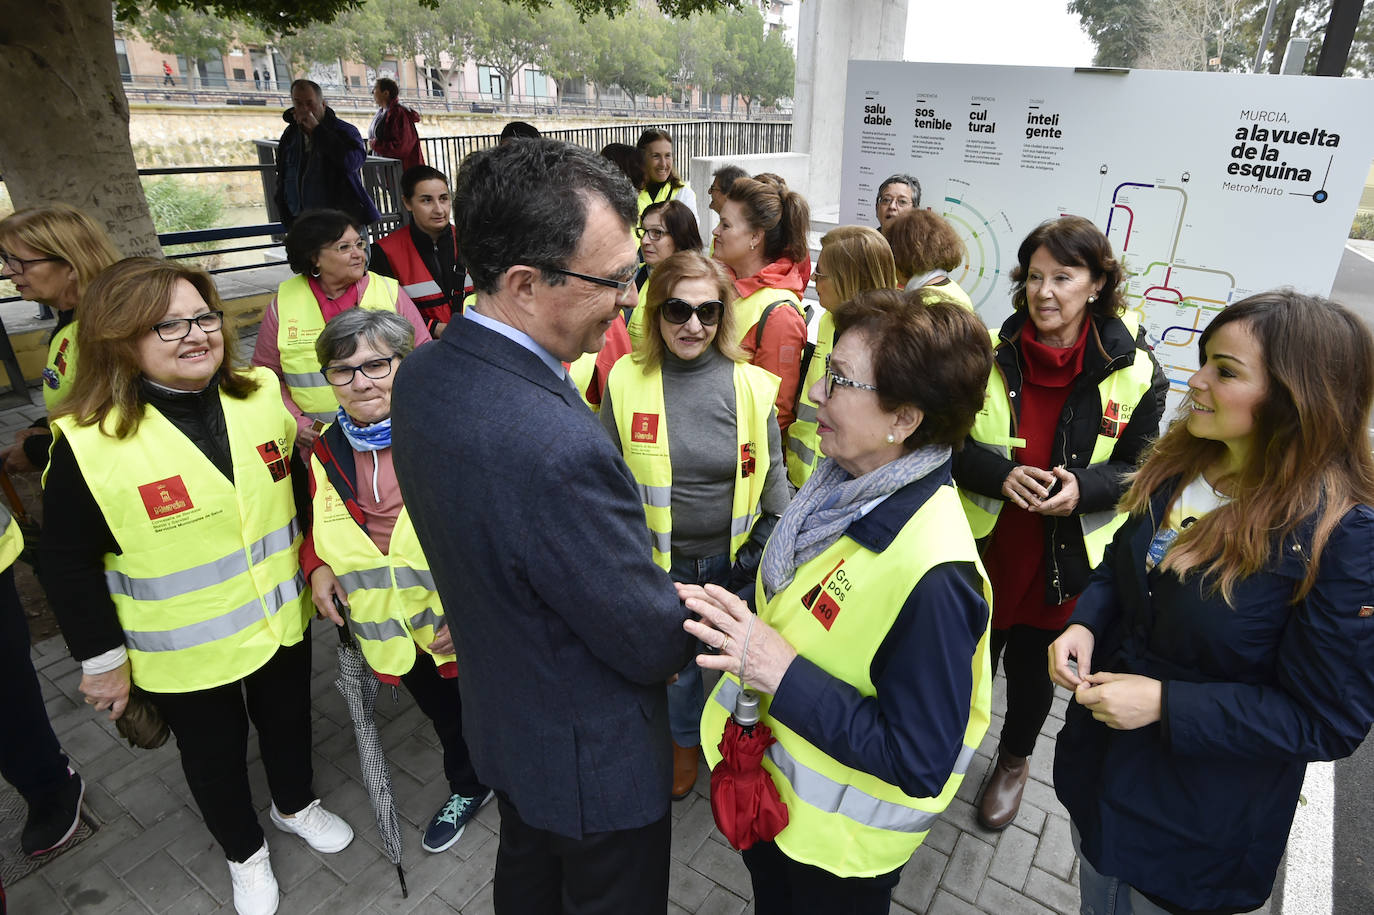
{"x":450,"y":37}
{"x":1117,"y":27}
{"x":576,"y":48}
{"x":1189,"y":34}
{"x":59,"y":57}
{"x":508,"y":39}
{"x":639,"y":67}
{"x":194,"y":35}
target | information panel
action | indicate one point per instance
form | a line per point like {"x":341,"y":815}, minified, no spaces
{"x":1210,"y":186}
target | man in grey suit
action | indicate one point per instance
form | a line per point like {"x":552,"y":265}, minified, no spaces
{"x":565,"y":629}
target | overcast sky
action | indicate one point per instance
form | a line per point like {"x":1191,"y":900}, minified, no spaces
{"x":1020,"y":32}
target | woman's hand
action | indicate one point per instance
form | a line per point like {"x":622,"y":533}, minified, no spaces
{"x":1076,"y":643}
{"x":1122,"y":701}
{"x":16,"y":461}
{"x":109,"y":690}
{"x":748,"y":647}
{"x":443,"y":641}
{"x":1026,"y":487}
{"x":324,"y":587}
{"x":1063,"y":502}
{"x":305,"y":439}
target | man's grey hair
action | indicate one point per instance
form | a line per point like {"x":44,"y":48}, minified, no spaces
{"x":910,"y":181}
{"x":385,"y":331}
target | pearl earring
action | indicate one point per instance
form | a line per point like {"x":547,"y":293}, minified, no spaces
{"x":1091,"y":299}
{"x":891,"y":439}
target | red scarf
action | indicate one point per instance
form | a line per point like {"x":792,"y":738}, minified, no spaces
{"x":783,"y":273}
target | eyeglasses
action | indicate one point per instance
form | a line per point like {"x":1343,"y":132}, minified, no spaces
{"x":618,"y":285}
{"x":888,"y":200}
{"x":831,"y":380}
{"x":817,"y":275}
{"x":676,"y":311}
{"x":20,"y":264}
{"x":178,"y":328}
{"x":342,"y":375}
{"x":653,"y":234}
{"x":345,"y":247}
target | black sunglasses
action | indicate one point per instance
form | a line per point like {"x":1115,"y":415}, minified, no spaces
{"x":676,"y":311}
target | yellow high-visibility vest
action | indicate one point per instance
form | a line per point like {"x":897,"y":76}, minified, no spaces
{"x":59,"y":374}
{"x":11,"y":541}
{"x":299,"y":323}
{"x":392,"y":602}
{"x":836,"y":613}
{"x":803,"y":442}
{"x":642,"y":423}
{"x":667,"y":192}
{"x":208,"y":585}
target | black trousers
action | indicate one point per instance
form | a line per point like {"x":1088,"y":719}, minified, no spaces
{"x":786,"y":887}
{"x":442,"y":703}
{"x":1025,"y":652}
{"x":211,"y":727}
{"x":624,"y":872}
{"x":30,"y":757}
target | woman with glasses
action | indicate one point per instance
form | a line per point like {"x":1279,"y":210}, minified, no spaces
{"x":363,"y":558}
{"x":869,"y":650}
{"x":51,"y":254}
{"x":852,"y":259}
{"x":664,"y":229}
{"x":169,"y":553}
{"x":327,"y":250}
{"x":1073,"y":399}
{"x":697,"y":426}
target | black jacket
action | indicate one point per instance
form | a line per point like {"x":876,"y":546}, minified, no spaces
{"x":323,"y":172}
{"x":1111,"y":348}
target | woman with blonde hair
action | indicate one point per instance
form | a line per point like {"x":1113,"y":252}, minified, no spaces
{"x":927,"y":250}
{"x":697,"y":426}
{"x":1225,"y":641}
{"x":51,"y":254}
{"x":852,"y":260}
{"x":169,"y":553}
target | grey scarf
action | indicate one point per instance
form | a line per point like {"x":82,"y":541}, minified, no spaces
{"x":829,"y":502}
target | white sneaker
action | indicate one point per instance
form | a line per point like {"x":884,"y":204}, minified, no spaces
{"x":255,"y":887}
{"x":323,"y":831}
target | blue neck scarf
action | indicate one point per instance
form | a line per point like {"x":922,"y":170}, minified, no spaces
{"x":373,"y":437}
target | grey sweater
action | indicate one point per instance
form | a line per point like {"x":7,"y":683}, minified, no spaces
{"x":699,"y":403}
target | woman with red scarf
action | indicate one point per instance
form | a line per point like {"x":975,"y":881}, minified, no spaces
{"x":761,"y":237}
{"x":1073,"y":398}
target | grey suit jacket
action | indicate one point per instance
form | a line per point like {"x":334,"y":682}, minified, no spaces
{"x":565,"y":629}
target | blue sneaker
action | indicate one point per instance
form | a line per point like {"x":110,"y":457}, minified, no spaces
{"x":448,"y":824}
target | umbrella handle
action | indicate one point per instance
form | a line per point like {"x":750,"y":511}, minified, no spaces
{"x":12,"y":495}
{"x":346,"y":638}
{"x":401,"y":874}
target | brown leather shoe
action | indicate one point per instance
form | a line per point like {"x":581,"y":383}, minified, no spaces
{"x":684,"y":770}
{"x":1002,"y":794}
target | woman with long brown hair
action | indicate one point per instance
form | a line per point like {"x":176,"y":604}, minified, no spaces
{"x":1227,"y":639}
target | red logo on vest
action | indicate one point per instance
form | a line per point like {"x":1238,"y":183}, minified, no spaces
{"x":165,"y":497}
{"x":275,"y":461}
{"x":821,"y":601}
{"x":747,"y":463}
{"x":1114,"y":419}
{"x":644,"y":427}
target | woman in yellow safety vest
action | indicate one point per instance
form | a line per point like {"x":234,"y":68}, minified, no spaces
{"x":852,"y":259}
{"x":927,"y":250}
{"x":327,"y":250}
{"x":661,"y":180}
{"x":169,"y":553}
{"x":870,"y":644}
{"x":363,"y":552}
{"x":697,"y":427}
{"x":51,"y":253}
{"x":1074,"y":397}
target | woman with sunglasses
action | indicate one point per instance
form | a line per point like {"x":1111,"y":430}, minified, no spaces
{"x":697,"y":426}
{"x":327,"y":250}
{"x":870,"y":645}
{"x":51,"y":254}
{"x":170,"y":553}
{"x":362,"y":556}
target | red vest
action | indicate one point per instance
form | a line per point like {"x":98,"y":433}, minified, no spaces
{"x":415,"y":277}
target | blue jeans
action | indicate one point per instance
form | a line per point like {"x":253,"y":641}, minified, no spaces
{"x":1102,"y":895}
{"x":685,"y":697}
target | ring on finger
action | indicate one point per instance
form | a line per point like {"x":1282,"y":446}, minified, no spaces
{"x":725,"y":643}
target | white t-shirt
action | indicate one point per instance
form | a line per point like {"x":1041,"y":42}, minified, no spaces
{"x":1196,"y":500}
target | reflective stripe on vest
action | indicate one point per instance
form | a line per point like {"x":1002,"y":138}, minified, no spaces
{"x":300,"y":323}
{"x":420,"y":291}
{"x":641,"y":420}
{"x":803,"y":441}
{"x":60,"y":372}
{"x":208,"y":585}
{"x":836,"y":613}
{"x":392,"y":602}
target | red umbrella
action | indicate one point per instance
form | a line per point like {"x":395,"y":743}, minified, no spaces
{"x":744,"y":799}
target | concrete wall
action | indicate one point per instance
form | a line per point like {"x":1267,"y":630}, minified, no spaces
{"x":792,"y":167}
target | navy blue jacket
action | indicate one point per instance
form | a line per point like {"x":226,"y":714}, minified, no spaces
{"x":324,"y":174}
{"x":565,"y":629}
{"x":1194,"y":810}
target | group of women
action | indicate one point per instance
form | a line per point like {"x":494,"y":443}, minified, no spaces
{"x":958,"y":500}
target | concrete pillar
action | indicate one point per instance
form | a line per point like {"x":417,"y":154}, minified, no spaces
{"x":830,"y":33}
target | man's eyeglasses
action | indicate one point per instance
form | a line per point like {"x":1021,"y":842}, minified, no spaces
{"x":618,"y":285}
{"x":831,"y":380}
{"x":888,"y":200}
{"x":178,"y":328}
{"x":653,"y":234}
{"x":19,"y":264}
{"x":342,"y":375}
{"x":676,"y":311}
